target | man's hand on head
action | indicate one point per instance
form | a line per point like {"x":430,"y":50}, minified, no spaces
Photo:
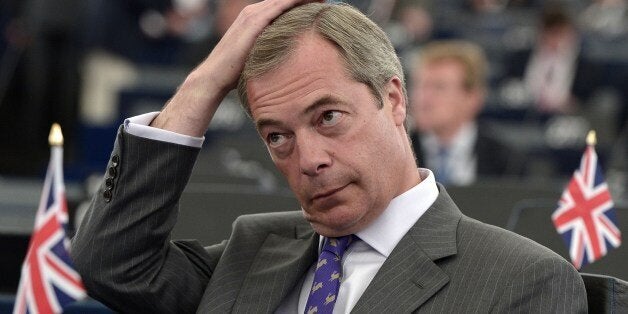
{"x":191,"y":109}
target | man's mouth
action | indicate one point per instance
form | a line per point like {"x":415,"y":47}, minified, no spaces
{"x":325,"y":194}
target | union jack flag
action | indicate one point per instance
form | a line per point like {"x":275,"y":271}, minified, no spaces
{"x":585,"y":216}
{"x":49,"y":282}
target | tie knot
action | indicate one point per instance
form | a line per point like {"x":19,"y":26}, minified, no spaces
{"x":338,"y":245}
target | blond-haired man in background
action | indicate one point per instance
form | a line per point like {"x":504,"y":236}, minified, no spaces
{"x":448,"y":91}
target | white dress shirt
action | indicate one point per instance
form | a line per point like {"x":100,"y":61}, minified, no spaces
{"x":461,"y":163}
{"x":364,"y":257}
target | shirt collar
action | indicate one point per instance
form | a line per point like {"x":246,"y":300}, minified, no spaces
{"x":400,"y":215}
{"x":464,"y":140}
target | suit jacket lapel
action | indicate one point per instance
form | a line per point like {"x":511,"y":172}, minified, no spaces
{"x":410,"y":276}
{"x":277,"y":268}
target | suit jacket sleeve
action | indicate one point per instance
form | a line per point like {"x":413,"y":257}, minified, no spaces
{"x":122,"y":248}
{"x":549,"y":285}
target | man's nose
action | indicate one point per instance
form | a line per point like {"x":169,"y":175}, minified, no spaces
{"x":313,"y":155}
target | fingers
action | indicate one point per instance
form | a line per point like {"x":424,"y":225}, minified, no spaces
{"x":284,"y":5}
{"x":250,"y":23}
{"x":262,"y":13}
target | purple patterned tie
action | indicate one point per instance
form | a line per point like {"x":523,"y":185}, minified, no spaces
{"x":327,"y":276}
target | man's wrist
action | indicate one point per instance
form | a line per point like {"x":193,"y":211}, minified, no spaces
{"x":191,"y":109}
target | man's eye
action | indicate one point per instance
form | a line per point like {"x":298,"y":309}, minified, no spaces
{"x":331,"y":117}
{"x":275,"y":139}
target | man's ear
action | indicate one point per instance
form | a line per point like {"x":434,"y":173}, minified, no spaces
{"x":394,"y":95}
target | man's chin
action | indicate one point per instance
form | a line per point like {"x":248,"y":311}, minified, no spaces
{"x":331,"y":225}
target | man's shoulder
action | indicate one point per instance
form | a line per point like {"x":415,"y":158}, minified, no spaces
{"x":495,"y":243}
{"x":513,"y":272}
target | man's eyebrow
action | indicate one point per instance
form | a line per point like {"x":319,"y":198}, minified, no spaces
{"x":267,"y":122}
{"x":325,"y":100}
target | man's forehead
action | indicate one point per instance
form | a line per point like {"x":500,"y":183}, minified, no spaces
{"x":311,"y":65}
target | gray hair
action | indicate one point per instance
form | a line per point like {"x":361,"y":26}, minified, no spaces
{"x":368,"y":54}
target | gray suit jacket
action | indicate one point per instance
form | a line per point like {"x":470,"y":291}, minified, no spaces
{"x":447,"y":262}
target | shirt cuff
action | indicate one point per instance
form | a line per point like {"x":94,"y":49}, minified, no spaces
{"x":139,"y":126}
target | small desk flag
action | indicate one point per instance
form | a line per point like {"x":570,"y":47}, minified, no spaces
{"x":48,"y":281}
{"x":585,"y":217}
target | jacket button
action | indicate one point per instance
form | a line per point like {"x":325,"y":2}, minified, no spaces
{"x":109,"y":182}
{"x":115,"y":160}
{"x":112,"y":172}
{"x":107,"y":195}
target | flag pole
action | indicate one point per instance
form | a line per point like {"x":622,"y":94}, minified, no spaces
{"x":591,"y":138}
{"x":56,"y":137}
{"x":55,"y":140}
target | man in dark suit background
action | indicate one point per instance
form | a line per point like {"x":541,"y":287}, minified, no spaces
{"x":326,"y":91}
{"x":447,"y":93}
{"x":556,"y":77}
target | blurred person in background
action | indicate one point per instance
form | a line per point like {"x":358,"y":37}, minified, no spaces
{"x":411,"y":25}
{"x":608,"y":18}
{"x":448,"y":91}
{"x":556,"y":78}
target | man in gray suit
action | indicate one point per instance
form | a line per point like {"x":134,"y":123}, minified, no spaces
{"x":327,"y":94}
